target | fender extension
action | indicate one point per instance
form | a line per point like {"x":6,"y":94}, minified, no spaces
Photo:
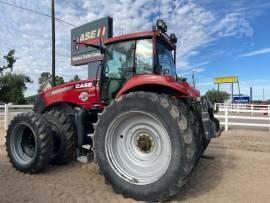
{"x":211,"y":125}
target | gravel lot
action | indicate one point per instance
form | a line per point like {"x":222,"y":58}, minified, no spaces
{"x":235,"y":169}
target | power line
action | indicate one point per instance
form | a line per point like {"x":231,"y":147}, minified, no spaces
{"x":36,"y":12}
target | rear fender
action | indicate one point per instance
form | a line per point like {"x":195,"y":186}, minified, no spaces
{"x":158,"y":83}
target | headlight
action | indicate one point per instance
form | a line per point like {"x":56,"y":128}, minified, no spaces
{"x":173,"y":38}
{"x":161,"y":25}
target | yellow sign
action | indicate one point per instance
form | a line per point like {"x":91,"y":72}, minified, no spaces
{"x":221,"y":80}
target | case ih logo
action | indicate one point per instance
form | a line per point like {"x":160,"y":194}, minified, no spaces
{"x":89,"y":33}
{"x":97,"y":33}
{"x":92,"y":37}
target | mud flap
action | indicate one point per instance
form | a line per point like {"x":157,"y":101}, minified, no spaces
{"x":80,"y":118}
{"x":208,"y":125}
{"x":211,"y":125}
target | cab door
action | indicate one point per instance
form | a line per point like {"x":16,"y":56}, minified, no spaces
{"x":118,"y":68}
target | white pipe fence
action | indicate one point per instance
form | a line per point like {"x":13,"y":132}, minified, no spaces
{"x":7,"y":112}
{"x":249,"y":109}
{"x":244,"y":108}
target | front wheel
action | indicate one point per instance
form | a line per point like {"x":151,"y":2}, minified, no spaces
{"x":144,"y":146}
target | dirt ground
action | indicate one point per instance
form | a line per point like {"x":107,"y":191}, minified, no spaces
{"x":236,"y":169}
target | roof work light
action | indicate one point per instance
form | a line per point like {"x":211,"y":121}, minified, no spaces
{"x":161,"y":25}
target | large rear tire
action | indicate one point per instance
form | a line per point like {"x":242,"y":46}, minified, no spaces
{"x":144,"y":146}
{"x":64,"y":134}
{"x":29,"y":143}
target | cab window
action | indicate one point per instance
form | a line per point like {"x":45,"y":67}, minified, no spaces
{"x":166,"y":62}
{"x":144,"y":56}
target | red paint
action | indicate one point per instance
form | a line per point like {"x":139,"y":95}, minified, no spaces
{"x":168,"y":81}
{"x":72,"y":95}
{"x":129,"y":37}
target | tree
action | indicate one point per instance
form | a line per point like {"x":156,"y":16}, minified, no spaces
{"x":10,"y":60}
{"x":13,"y":88}
{"x":217,"y":97}
{"x":46,"y":77}
{"x":75,"y":78}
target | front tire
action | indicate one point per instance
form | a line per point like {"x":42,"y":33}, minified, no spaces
{"x":144,"y":146}
{"x":29,"y":143}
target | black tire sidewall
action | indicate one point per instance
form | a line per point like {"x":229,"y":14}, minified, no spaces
{"x":64,"y":126}
{"x":25,"y":119}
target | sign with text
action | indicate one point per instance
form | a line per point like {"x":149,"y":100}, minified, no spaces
{"x":231,"y":79}
{"x":90,"y":33}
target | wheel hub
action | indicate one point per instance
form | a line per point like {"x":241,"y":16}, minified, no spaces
{"x":28,"y":144}
{"x":145,"y":143}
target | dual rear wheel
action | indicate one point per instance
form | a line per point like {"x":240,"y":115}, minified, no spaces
{"x":33,"y":140}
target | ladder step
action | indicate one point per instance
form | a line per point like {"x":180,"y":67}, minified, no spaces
{"x":86,"y":146}
{"x":83,"y":159}
{"x":90,"y":135}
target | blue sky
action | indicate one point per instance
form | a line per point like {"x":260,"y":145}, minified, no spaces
{"x":216,"y":37}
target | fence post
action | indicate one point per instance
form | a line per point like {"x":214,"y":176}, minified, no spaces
{"x":226,"y":119}
{"x":252,"y":108}
{"x":6,"y":117}
{"x":238,"y":108}
{"x":269,"y":116}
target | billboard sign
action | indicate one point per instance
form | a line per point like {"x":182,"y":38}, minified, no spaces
{"x":90,"y":33}
{"x":231,"y":79}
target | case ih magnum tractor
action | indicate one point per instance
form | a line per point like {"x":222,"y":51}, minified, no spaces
{"x":143,"y":127}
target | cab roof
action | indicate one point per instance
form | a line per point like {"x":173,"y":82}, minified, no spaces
{"x":141,"y":35}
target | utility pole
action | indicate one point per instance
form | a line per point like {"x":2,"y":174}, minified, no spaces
{"x":232,"y":92}
{"x":53,"y":42}
{"x":251,"y":95}
{"x":263,"y":94}
{"x":193,"y":79}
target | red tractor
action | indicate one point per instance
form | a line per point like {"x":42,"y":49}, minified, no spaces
{"x":144,"y":127}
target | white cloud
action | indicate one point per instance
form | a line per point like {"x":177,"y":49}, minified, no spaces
{"x":29,"y":33}
{"x":234,"y":24}
{"x":256,"y":52}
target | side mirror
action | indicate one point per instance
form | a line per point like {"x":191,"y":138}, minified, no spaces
{"x":76,"y":43}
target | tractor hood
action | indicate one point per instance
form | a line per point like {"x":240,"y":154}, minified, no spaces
{"x":80,"y":93}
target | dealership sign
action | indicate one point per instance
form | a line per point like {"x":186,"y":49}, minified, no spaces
{"x":90,"y":33}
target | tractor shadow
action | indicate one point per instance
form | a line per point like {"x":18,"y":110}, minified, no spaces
{"x":207,"y":175}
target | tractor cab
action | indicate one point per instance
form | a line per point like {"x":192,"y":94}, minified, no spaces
{"x":134,"y":54}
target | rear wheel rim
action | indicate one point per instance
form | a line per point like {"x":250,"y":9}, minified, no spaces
{"x":23,"y":144}
{"x":138,"y":147}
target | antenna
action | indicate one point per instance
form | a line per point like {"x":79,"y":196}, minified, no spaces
{"x":193,"y":79}
{"x":159,"y":11}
